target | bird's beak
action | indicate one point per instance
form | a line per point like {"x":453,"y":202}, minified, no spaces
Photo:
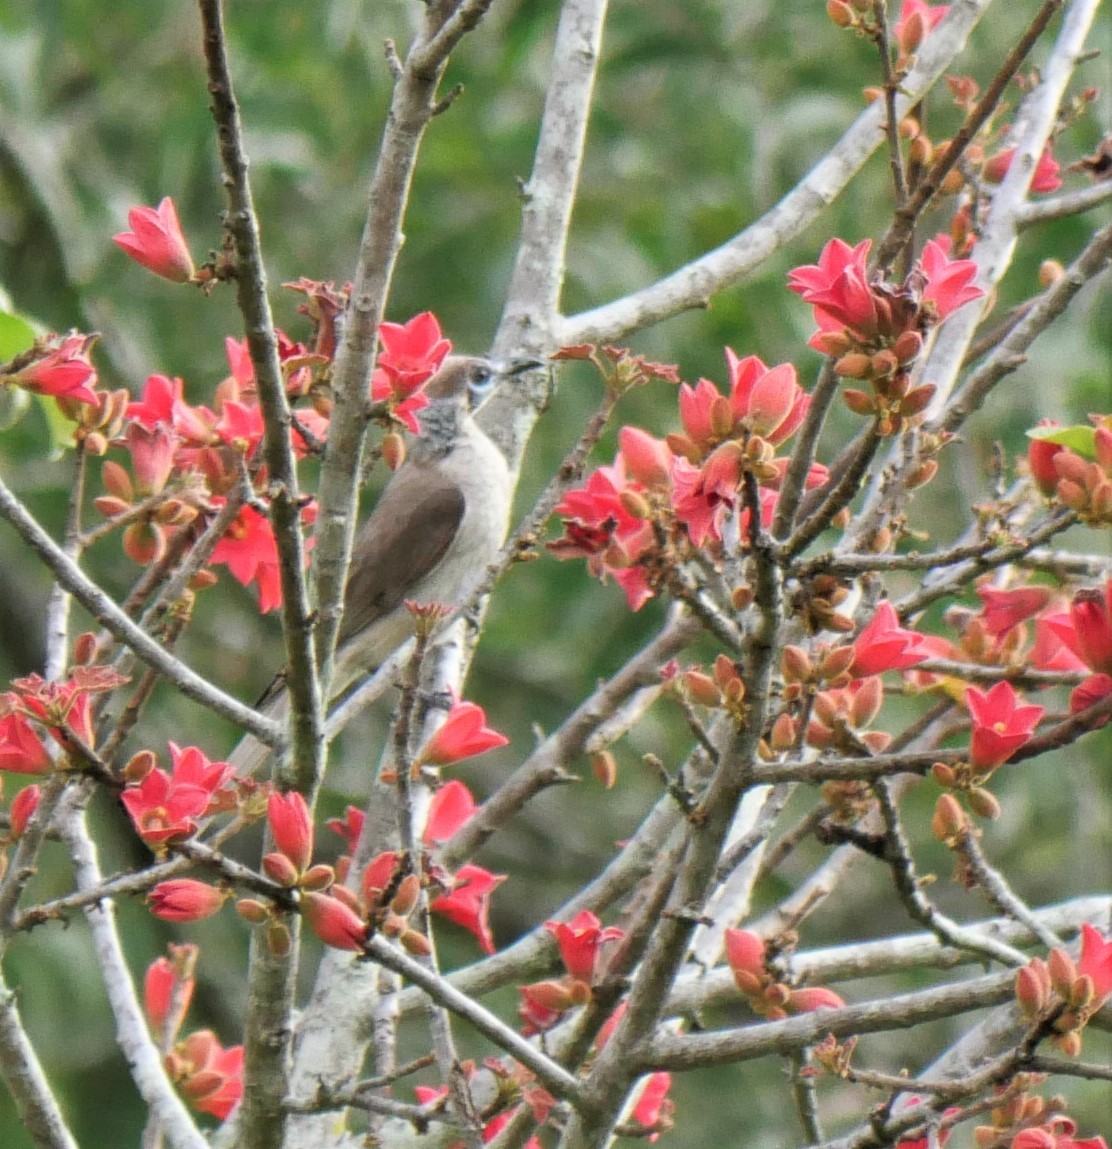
{"x":520,"y":366}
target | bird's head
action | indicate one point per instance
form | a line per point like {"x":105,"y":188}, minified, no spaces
{"x":471,"y":379}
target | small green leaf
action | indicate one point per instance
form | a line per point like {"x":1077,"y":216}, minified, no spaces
{"x":16,"y":335}
{"x":1081,"y":439}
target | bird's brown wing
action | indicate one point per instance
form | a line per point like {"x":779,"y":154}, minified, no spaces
{"x":409,"y":531}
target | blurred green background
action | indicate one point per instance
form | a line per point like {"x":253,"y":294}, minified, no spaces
{"x":706,"y":113}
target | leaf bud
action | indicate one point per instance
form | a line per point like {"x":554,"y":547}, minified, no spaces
{"x":921,"y":475}
{"x":921,"y":151}
{"x":741,"y":597}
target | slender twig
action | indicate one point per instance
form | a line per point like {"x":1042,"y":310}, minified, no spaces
{"x":306,"y":720}
{"x":996,"y":888}
{"x":928,"y":186}
{"x":109,"y":615}
{"x":693,"y":285}
{"x":1063,"y":205}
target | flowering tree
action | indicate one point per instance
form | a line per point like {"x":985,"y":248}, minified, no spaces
{"x":833,"y":678}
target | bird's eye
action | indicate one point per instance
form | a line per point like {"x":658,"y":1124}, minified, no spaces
{"x":480,"y":380}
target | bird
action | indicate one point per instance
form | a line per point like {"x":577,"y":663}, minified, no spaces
{"x":435,"y":529}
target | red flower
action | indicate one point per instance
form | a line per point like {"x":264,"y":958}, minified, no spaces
{"x":1088,"y":631}
{"x":334,"y":922}
{"x":468,"y":904}
{"x":924,"y":1142}
{"x":241,"y":426}
{"x":21,"y":749}
{"x":185,"y":900}
{"x":704,"y":497}
{"x":542,"y":1005}
{"x":580,"y":942}
{"x":1047,"y":177}
{"x":451,"y":806}
{"x":812,"y":998}
{"x":160,"y":395}
{"x":1049,"y":651}
{"x":210,"y":1076}
{"x":152,"y":455}
{"x":745,"y":954}
{"x":249,"y":551}
{"x":64,"y":370}
{"x":164,"y":807}
{"x":885,"y":645}
{"x":156,"y":241}
{"x":598,"y":527}
{"x":22,"y":810}
{"x":167,"y":979}
{"x":349,"y":827}
{"x":1004,"y":609}
{"x":1000,"y":726}
{"x":916,"y":19}
{"x":1040,"y":458}
{"x":291,"y":826}
{"x":464,"y":734}
{"x":648,"y":460}
{"x":769,"y":400}
{"x":838,"y":289}
{"x":949,"y":282}
{"x":1096,"y":962}
{"x":653,"y":1107}
{"x":411,"y":353}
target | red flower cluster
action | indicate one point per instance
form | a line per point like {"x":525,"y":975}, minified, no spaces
{"x":165,"y":807}
{"x":876,"y":329}
{"x":411,"y":355}
{"x":686,"y":491}
{"x":747,"y":956}
{"x":209,"y":1076}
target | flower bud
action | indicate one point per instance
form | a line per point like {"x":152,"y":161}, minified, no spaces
{"x":783,"y":733}
{"x":393,"y":450}
{"x":741,"y":597}
{"x":144,"y":543}
{"x":604,"y":766}
{"x":949,"y":820}
{"x":854,"y":365}
{"x":635,"y":505}
{"x":984,"y":803}
{"x":921,"y":475}
{"x":952,"y":182}
{"x":921,"y":151}
{"x":1050,"y":271}
{"x":253,"y":911}
{"x":409,"y":892}
{"x":701,"y":688}
{"x":280,"y":869}
{"x":318,"y":877}
{"x":416,"y":943}
{"x":796,"y":664}
{"x":139,"y":766}
{"x":1063,"y":971}
{"x":1032,"y":988}
{"x":278,"y":939}
{"x":840,"y":13}
{"x":859,"y":402}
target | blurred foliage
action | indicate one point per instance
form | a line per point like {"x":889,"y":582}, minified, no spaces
{"x":706,"y":113}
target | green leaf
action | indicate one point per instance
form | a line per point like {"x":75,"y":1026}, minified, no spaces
{"x":16,"y":335}
{"x":1081,"y":439}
